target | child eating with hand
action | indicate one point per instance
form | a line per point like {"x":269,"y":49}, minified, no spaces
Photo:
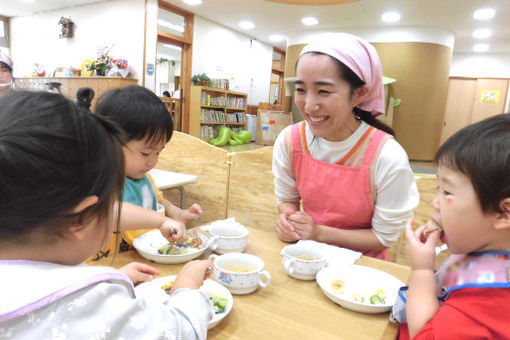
{"x":469,"y":296}
{"x":147,"y":127}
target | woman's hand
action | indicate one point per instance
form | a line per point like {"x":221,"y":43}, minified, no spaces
{"x":285,"y":230}
{"x":173,"y":231}
{"x":192,"y":275}
{"x":192,"y":213}
{"x":421,"y":250}
{"x":139,"y":272}
{"x":304,"y":225}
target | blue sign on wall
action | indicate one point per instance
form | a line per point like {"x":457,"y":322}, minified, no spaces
{"x":150,"y":69}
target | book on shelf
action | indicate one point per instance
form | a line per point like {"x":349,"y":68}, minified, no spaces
{"x":237,"y":102}
{"x":220,"y":84}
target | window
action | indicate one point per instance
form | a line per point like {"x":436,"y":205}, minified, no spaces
{"x":4,"y":33}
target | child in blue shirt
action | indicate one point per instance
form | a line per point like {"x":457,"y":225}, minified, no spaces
{"x":147,"y":127}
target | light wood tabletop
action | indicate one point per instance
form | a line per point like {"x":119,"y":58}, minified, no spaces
{"x":288,"y":308}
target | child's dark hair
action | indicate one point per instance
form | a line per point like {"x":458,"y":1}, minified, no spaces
{"x":138,"y":112}
{"x":355,"y":82}
{"x":53,"y":155}
{"x":481,"y":151}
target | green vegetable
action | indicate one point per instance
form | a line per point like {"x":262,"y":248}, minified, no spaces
{"x":376,"y":300}
{"x":219,"y":303}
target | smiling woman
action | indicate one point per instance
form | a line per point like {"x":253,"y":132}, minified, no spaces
{"x":351,"y":177}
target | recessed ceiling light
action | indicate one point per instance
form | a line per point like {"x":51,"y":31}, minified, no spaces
{"x":390,"y":17}
{"x":482,"y":33}
{"x":480,"y":47}
{"x":192,"y":2}
{"x":309,"y":21}
{"x":484,"y":13}
{"x":276,"y":37}
{"x":246,"y":25}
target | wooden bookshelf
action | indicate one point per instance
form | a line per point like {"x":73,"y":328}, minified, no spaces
{"x":211,"y":109}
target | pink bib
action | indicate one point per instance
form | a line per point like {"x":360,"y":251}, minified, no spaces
{"x":338,"y":195}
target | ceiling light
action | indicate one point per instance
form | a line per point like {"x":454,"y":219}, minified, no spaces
{"x":246,"y":25}
{"x":482,"y":33}
{"x":192,"y":2}
{"x":484,"y":13}
{"x":480,"y":47}
{"x":390,"y":17}
{"x":309,"y":21}
{"x":276,"y":37}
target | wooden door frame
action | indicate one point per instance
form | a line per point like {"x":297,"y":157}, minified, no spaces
{"x":281,"y":72}
{"x":186,"y":43}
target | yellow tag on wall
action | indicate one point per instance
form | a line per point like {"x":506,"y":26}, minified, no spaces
{"x":490,"y":96}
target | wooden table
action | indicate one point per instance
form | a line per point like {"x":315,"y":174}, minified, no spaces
{"x":288,"y":308}
{"x":166,"y":180}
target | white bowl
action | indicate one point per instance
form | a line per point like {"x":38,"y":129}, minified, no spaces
{"x":147,"y":246}
{"x":228,"y":238}
{"x":299,"y":268}
{"x":360,"y":280}
{"x":207,"y":286}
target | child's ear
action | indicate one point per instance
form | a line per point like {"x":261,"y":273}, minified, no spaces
{"x":77,"y":231}
{"x":503,"y":220}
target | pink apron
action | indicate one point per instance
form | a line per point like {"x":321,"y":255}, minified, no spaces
{"x":339,"y":195}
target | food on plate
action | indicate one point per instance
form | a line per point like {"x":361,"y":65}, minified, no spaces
{"x":337,"y":285}
{"x":431,"y":226}
{"x":181,"y":248}
{"x":238,"y":269}
{"x":218,"y":302}
{"x":167,"y":286}
{"x":305,"y":257}
{"x":378,"y":298}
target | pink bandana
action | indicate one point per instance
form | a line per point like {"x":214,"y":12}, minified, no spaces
{"x":362,"y":59}
{"x":6,"y":60}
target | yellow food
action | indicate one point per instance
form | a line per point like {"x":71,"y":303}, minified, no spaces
{"x":431,"y":226}
{"x":305,"y":257}
{"x":238,"y":269}
{"x":167,"y":286}
{"x":337,"y":285}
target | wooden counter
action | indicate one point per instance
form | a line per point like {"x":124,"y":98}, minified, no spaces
{"x":288,"y":308}
{"x":71,"y":84}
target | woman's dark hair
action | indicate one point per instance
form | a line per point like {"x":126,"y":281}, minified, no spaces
{"x":355,"y":82}
{"x":7,"y":67}
{"x":53,"y":155}
{"x":481,"y":151}
{"x":138,"y":112}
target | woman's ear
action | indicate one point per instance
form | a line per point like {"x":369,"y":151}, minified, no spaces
{"x":77,"y":231}
{"x":360,"y":94}
{"x":503,"y":219}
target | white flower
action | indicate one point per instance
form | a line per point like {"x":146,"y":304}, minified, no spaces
{"x":76,"y":303}
{"x":33,"y":319}
{"x":6,"y":332}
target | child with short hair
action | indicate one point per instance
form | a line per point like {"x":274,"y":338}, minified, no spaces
{"x":469,"y":296}
{"x":147,"y":127}
{"x":57,"y":208}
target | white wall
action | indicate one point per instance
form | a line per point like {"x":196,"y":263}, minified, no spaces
{"x":34,"y":38}
{"x":480,"y":65}
{"x":222,"y":53}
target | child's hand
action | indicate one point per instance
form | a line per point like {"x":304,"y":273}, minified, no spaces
{"x":190,"y":214}
{"x":420,"y":251}
{"x":139,"y":272}
{"x":173,"y":231}
{"x":192,"y":275}
{"x":285,"y":230}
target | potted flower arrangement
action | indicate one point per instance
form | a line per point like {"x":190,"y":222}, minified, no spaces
{"x":103,"y":61}
{"x":201,"y":79}
{"x":121,"y":67}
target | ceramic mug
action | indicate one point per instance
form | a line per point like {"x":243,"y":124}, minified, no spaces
{"x":240,"y":273}
{"x":228,"y":238}
{"x":161,"y":209}
{"x":302,"y":262}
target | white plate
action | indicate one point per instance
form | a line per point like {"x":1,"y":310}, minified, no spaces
{"x":148,"y":244}
{"x":208,"y":286}
{"x":360,"y":280}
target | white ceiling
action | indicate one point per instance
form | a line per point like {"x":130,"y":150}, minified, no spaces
{"x":275,"y":18}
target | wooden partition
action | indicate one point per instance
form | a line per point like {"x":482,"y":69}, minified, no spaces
{"x":251,"y":189}
{"x":188,"y":154}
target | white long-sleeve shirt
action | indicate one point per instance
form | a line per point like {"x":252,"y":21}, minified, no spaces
{"x":397,"y":194}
